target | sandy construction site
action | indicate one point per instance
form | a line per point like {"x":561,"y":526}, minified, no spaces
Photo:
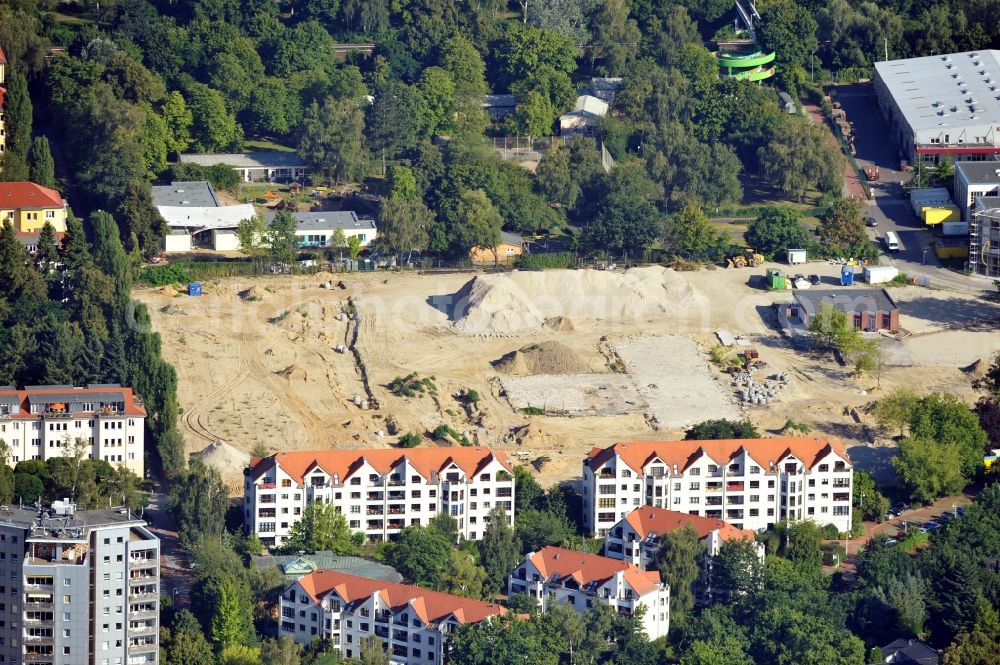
{"x":561,"y":360}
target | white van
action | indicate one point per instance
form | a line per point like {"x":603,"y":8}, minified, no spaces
{"x":891,"y":241}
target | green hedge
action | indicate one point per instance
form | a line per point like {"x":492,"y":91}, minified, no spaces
{"x":545,"y":261}
{"x":181,"y":272}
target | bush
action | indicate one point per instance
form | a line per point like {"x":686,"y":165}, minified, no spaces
{"x":411,"y":440}
{"x":558,"y":260}
{"x":220,"y":175}
{"x":533,"y":411}
{"x":164,"y":275}
{"x":412,"y":385}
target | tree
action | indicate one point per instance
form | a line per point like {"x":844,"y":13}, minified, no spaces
{"x":109,"y":255}
{"x":556,"y":179}
{"x":566,"y":17}
{"x":198,"y":502}
{"x":354,"y":247}
{"x":841,"y":226}
{"x":464,"y":576}
{"x":395,"y":120}
{"x":281,"y":237}
{"x":723,"y":429}
{"x":153,"y":139}
{"x":321,"y":527}
{"x":179,"y":119}
{"x":801,"y":157}
{"x":978,"y":646}
{"x":615,"y":37}
{"x":269,"y":107}
{"x":787,"y":636}
{"x":624,"y":218}
{"x":252,"y":236}
{"x":679,"y":561}
{"x":401,"y":183}
{"x":505,"y":640}
{"x":240,"y":654}
{"x":725,"y":650}
{"x":41,"y":167}
{"x":421,"y":554}
{"x":47,"y":254}
{"x":437,"y":88}
{"x":373,"y":652}
{"x":332,"y":140}
{"x":17,"y":114}
{"x":477,"y":223}
{"x":690,"y":235}
{"x":534,"y":115}
{"x":499,"y":550}
{"x":869,"y":503}
{"x":830,"y":329}
{"x":776,"y":231}
{"x":945,"y":418}
{"x":524,"y":49}
{"x":213,"y":128}
{"x":282,"y":651}
{"x":77,"y":253}
{"x":232,"y":620}
{"x":788,"y":29}
{"x":405,"y":224}
{"x":929,"y":469}
{"x":187,"y":644}
{"x":895,"y":410}
{"x":738,"y":572}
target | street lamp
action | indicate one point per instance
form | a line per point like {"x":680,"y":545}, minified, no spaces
{"x":923,"y":261}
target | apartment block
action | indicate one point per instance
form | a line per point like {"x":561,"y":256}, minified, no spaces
{"x":750,"y":483}
{"x":77,"y":587}
{"x":637,"y":537}
{"x":42,"y":422}
{"x":411,"y":621}
{"x":379,"y":491}
{"x":554,"y":575}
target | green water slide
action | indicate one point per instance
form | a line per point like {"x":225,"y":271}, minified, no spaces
{"x":750,"y":66}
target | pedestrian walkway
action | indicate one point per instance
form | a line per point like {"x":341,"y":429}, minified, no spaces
{"x":852,"y":182}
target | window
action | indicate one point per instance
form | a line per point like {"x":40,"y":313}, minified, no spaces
{"x":695,"y":472}
{"x":694,"y":486}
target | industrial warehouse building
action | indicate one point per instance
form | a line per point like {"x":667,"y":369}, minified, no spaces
{"x":943,"y":105}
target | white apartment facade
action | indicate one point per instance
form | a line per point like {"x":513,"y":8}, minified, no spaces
{"x":379,"y":491}
{"x":554,"y":575}
{"x":637,"y":537}
{"x":84,"y":587}
{"x":42,"y":422}
{"x":750,"y":483}
{"x":412,"y":622}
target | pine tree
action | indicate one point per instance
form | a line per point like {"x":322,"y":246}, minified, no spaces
{"x":41,"y":168}
{"x":17,"y":115}
{"x":679,"y":563}
{"x":91,"y":359}
{"x":77,"y":252}
{"x":47,"y":254}
{"x":500,"y":550}
{"x":113,"y":365}
{"x":232,"y":621}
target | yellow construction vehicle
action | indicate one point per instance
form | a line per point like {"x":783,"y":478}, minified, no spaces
{"x":748,"y":258}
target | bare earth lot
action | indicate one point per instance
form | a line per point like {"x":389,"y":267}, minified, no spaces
{"x":261,"y":372}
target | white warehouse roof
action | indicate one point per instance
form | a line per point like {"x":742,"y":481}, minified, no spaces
{"x":223,"y":217}
{"x":938,"y":92}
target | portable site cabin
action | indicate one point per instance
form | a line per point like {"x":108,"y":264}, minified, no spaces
{"x":796,"y":256}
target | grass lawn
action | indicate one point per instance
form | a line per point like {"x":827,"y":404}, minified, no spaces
{"x":265,"y":144}
{"x":734,"y":230}
{"x":756,"y":192}
{"x":69,"y":19}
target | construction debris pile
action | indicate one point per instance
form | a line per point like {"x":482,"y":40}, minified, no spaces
{"x":752,"y":391}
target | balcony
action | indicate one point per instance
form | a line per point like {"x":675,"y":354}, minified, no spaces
{"x":396,"y":524}
{"x":713,"y":500}
{"x":841,"y":482}
{"x":377,"y":510}
{"x":142,"y":646}
{"x":734,"y":500}
{"x":605,"y":474}
{"x":397,"y":510}
{"x":396,"y":495}
{"x":142,"y":562}
{"x":713,"y":487}
{"x":135,"y":595}
{"x":375,"y":496}
{"x":38,"y":606}
{"x":382,"y":631}
{"x":267,"y":486}
{"x":395,"y":482}
{"x":142,"y":579}
{"x":38,"y":640}
{"x":734,"y":487}
{"x":148,"y":629}
{"x":504,"y":491}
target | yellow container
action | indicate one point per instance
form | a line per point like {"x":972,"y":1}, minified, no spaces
{"x":937,"y":214}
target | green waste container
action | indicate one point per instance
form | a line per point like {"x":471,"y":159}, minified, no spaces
{"x":775,"y":280}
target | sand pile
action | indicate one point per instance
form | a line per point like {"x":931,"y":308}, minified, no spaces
{"x":255,"y":293}
{"x":544,"y":358}
{"x":559,"y":323}
{"x":520,"y":301}
{"x":169,"y":291}
{"x":294,"y":373}
{"x":224,"y":457}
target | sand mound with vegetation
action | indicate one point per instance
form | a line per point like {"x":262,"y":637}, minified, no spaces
{"x":255,"y":293}
{"x":978,"y":369}
{"x":544,"y":358}
{"x":520,"y":301}
{"x":223,"y":457}
{"x":169,"y":291}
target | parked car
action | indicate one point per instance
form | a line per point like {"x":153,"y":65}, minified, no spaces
{"x":814,"y":279}
{"x":891,"y":541}
{"x":930,"y":526}
{"x":871,"y":221}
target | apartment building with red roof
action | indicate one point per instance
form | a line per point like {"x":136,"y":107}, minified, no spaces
{"x":379,"y":491}
{"x":554,"y":575}
{"x":413,"y":622}
{"x":750,"y":483}
{"x":636,"y":538}
{"x":42,"y":422}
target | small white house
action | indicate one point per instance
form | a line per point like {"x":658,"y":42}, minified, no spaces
{"x":316,"y":229}
{"x":584,"y":117}
{"x":796,"y":256}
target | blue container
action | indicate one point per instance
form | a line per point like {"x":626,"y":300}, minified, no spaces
{"x":847,"y":276}
{"x":194,"y":289}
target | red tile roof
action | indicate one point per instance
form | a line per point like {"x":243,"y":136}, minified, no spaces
{"x":636,"y":454}
{"x":22,"y":195}
{"x":132,"y":406}
{"x":3,"y":95}
{"x":343,"y":462}
{"x":649,"y":519}
{"x":3,"y":58}
{"x":586,"y":568}
{"x":430,"y":606}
